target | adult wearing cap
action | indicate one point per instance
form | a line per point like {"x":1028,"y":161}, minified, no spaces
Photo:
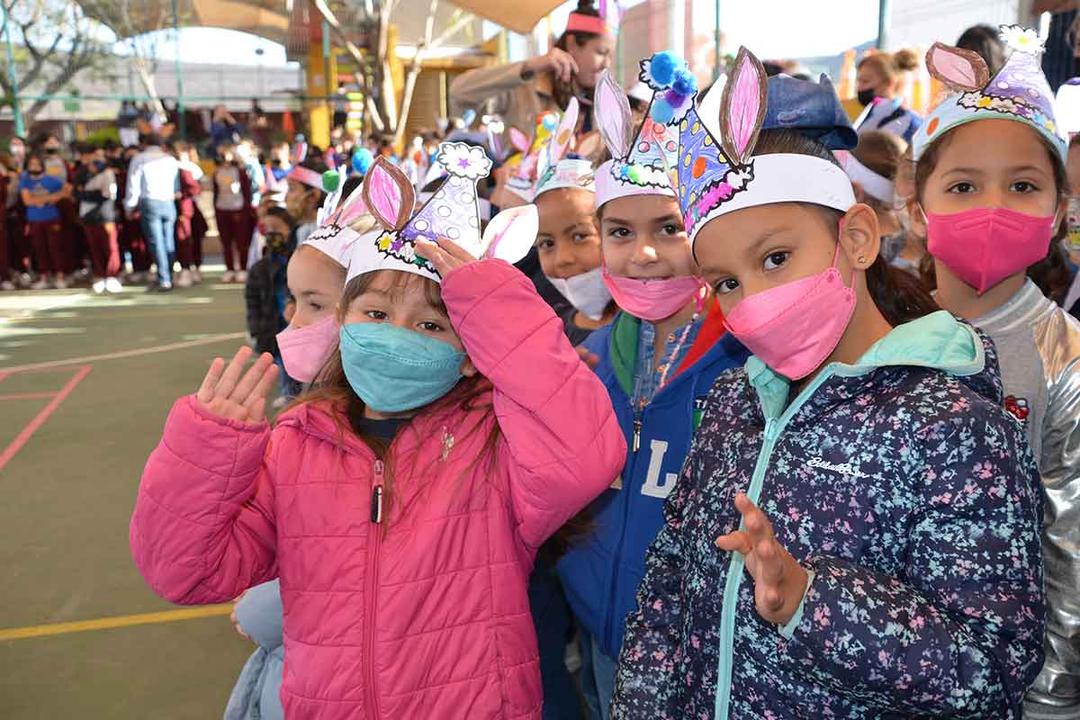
{"x":521,"y":91}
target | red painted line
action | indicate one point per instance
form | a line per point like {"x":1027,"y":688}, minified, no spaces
{"x":39,"y":419}
{"x":29,"y":396}
{"x":3,"y":375}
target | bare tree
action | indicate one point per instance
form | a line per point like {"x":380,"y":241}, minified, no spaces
{"x":54,"y":40}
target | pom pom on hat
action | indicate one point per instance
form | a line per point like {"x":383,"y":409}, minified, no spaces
{"x":362,"y":159}
{"x":684,"y":83}
{"x":662,"y":68}
{"x":662,"y":111}
{"x":331,"y":181}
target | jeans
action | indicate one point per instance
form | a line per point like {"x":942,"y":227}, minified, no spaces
{"x":158,"y":224}
{"x":551,"y":616}
{"x":597,"y":677}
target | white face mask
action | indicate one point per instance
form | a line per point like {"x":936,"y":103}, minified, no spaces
{"x":586,"y":292}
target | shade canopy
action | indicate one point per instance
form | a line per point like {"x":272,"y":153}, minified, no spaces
{"x":265,"y":18}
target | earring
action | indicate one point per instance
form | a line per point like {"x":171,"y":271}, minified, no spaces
{"x":861,"y":260}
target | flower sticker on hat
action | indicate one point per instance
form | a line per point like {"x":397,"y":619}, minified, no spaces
{"x":469,"y":161}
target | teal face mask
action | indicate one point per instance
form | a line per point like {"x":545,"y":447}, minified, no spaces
{"x":393,"y":369}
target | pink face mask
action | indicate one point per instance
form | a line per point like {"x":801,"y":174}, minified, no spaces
{"x":305,"y":349}
{"x":793,"y":327}
{"x":986,"y":245}
{"x":652,"y":300}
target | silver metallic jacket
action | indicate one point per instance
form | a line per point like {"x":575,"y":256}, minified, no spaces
{"x":1044,"y":389}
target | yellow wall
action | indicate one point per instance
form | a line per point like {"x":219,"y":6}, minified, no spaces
{"x":321,"y":81}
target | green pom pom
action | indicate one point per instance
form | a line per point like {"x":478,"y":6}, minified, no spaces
{"x":331,"y":180}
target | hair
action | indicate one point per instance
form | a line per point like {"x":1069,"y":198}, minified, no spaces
{"x":281,"y":214}
{"x":1051,"y":273}
{"x":985,"y":41}
{"x":891,"y":65}
{"x":882,"y":153}
{"x":563,"y":92}
{"x":898,"y":295}
{"x":152,"y":140}
{"x":316,"y":164}
{"x":331,"y":388}
{"x":34,"y":156}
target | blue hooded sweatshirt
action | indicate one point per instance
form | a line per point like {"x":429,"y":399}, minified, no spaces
{"x":601,"y":572}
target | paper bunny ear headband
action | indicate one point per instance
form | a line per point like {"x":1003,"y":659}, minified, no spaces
{"x":1018,"y":92}
{"x":717,"y":170}
{"x":526,"y":168}
{"x":562,"y":169}
{"x":450,"y":213}
{"x":341,"y":222}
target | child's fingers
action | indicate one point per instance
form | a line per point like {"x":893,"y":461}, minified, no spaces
{"x":737,"y":541}
{"x":232,"y":373}
{"x":257,"y":411}
{"x":754,"y":520}
{"x":454,"y":250}
{"x":251,"y":378}
{"x":590,"y":359}
{"x":256,"y":402}
{"x":213,"y":375}
{"x":434,"y":254}
{"x":770,"y":562}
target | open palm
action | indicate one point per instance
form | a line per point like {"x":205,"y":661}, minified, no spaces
{"x":231,"y":393}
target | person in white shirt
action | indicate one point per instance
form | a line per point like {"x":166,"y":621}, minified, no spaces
{"x":152,"y":186}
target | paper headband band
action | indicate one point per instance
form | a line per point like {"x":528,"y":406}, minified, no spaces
{"x":306,"y":176}
{"x":548,"y":169}
{"x":450,"y":213}
{"x":717,"y":170}
{"x":874,"y":185}
{"x":587,"y":24}
{"x":341,"y":223}
{"x":1018,"y":92}
{"x":643,"y":158}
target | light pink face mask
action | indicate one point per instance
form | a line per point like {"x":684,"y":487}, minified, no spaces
{"x":794,"y":327}
{"x":305,"y":349}
{"x":652,"y":300}
{"x":985,"y":245}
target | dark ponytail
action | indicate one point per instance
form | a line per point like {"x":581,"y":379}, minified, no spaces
{"x":898,"y":295}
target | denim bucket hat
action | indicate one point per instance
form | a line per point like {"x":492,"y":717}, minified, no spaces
{"x":813,"y":109}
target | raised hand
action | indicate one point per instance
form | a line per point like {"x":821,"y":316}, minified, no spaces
{"x":231,"y":393}
{"x":444,"y":255}
{"x":561,"y":64}
{"x":779,"y":580}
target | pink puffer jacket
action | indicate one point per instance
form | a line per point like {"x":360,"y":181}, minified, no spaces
{"x":424,"y":614}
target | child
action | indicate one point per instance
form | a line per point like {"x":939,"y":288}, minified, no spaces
{"x":97,"y":194}
{"x":568,"y":243}
{"x":880,"y":83}
{"x":40,"y":194}
{"x":232,"y":208}
{"x":877,"y":511}
{"x":266,"y":291}
{"x":991,"y":214}
{"x":658,"y":358}
{"x":468,"y":432}
{"x":305,"y":196}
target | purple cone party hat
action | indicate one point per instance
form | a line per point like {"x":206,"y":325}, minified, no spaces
{"x":526,"y":166}
{"x":341,"y":222}
{"x":643,"y":158}
{"x":1018,"y":92}
{"x":450,"y":213}
{"x":563,"y":169}
{"x":717,"y":170}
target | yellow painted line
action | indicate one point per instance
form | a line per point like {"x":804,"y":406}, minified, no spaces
{"x":118,"y":621}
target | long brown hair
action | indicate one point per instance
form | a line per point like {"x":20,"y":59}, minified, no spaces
{"x":332,"y":391}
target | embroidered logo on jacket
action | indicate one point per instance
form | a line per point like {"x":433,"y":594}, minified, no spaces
{"x":842,"y":468}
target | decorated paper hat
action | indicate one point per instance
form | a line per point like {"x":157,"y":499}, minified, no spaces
{"x":305,"y":176}
{"x":562,"y":169}
{"x":717,"y":170}
{"x":341,"y":222}
{"x":451,"y":213}
{"x":1018,"y":92}
{"x":643,"y":158}
{"x":526,"y":167}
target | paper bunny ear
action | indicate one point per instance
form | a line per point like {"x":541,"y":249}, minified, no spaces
{"x":351,"y":207}
{"x":511,"y":234}
{"x":388,"y":194}
{"x":519,"y":140}
{"x":959,"y":69}
{"x":564,"y":133}
{"x":742,"y":107}
{"x":611,"y":112}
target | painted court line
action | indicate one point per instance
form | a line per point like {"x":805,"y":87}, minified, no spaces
{"x":28,"y":396}
{"x":118,"y":621}
{"x":39,"y":419}
{"x":124,"y":353}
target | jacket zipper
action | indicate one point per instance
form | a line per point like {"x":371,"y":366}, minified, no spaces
{"x":376,"y":517}
{"x":773,"y":428}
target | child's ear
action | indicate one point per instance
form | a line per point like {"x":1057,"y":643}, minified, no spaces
{"x":860,"y":236}
{"x":467,"y":368}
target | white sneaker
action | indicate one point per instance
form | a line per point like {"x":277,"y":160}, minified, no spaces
{"x":228,"y":277}
{"x":25,"y":281}
{"x":7,"y":285}
{"x":183,"y":280}
{"x":41,"y":284}
{"x":241,"y":276}
{"x":98,"y":287}
{"x":196,"y":276}
{"x":112,"y":285}
{"x":60,"y":283}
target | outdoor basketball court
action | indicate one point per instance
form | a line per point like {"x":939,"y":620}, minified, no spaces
{"x":85,"y":385}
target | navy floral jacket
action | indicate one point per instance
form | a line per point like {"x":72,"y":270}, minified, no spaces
{"x":913,"y":498}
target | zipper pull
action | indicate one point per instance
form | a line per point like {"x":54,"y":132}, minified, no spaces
{"x":377,"y":494}
{"x":636,"y":445}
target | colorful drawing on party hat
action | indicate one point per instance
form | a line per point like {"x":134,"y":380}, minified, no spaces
{"x":526,"y":167}
{"x":643,"y":158}
{"x":1019,"y":91}
{"x":451,"y":213}
{"x":561,"y":169}
{"x":715,"y":149}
